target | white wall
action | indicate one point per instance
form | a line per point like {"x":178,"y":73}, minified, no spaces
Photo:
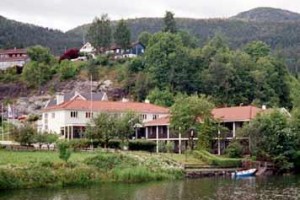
{"x":63,"y":118}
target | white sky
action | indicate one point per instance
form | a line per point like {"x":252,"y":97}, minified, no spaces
{"x":67,"y":14}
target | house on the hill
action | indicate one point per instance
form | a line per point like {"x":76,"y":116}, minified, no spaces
{"x":88,"y":49}
{"x":135,"y":49}
{"x":13,"y":58}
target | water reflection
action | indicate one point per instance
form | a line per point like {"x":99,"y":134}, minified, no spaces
{"x":242,"y":189}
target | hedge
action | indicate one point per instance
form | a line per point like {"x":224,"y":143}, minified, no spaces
{"x":216,"y":160}
{"x":141,"y":145}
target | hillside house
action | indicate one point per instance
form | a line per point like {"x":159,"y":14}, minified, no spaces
{"x":13,"y":58}
{"x":135,"y":49}
{"x":88,"y":49}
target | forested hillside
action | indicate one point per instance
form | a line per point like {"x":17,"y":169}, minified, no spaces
{"x":281,"y":35}
{"x":16,"y":34}
{"x":278,"y":28}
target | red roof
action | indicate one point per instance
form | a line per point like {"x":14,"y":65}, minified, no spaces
{"x":109,"y":106}
{"x":228,"y":114}
{"x":13,"y":51}
{"x":159,"y":122}
{"x":239,"y":113}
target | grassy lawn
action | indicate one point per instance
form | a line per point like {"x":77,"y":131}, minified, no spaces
{"x":19,"y":158}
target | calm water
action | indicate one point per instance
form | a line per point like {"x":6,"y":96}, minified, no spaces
{"x":287,"y":187}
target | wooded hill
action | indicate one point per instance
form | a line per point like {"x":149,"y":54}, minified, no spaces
{"x":21,"y":35}
{"x":278,"y":28}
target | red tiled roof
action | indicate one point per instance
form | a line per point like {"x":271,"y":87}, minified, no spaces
{"x":13,"y":51}
{"x":239,"y":113}
{"x":109,"y":106}
{"x":228,"y":114}
{"x":159,"y":122}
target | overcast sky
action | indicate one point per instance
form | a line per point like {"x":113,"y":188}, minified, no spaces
{"x":67,"y":14}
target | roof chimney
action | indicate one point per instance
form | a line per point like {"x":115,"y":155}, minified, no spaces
{"x":264,"y":107}
{"x":60,"y":98}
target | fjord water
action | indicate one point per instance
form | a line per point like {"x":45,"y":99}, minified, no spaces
{"x":285,"y":187}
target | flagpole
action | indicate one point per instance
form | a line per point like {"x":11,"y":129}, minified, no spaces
{"x":2,"y":127}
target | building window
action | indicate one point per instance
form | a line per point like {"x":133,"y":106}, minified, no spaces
{"x":46,"y":127}
{"x":144,"y":116}
{"x":46,"y":115}
{"x":53,"y":115}
{"x":74,"y":114}
{"x":88,"y":115}
{"x":155,"y":117}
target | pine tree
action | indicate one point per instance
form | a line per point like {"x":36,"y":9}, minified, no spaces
{"x":170,"y":23}
{"x":122,"y":34}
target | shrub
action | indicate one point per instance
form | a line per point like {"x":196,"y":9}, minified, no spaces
{"x":234,"y":150}
{"x":67,"y":69}
{"x":141,"y":145}
{"x":108,"y":161}
{"x":64,"y":151}
{"x":78,"y":144}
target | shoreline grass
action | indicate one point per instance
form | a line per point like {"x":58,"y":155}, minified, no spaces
{"x":44,"y":169}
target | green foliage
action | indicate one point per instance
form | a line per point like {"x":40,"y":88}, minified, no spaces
{"x":271,"y":138}
{"x":78,"y":144}
{"x":186,"y":113}
{"x":141,"y":145}
{"x":126,"y":125}
{"x":108,"y":161}
{"x":104,"y":128}
{"x":40,"y":54}
{"x":215,"y":160}
{"x":67,"y":69}
{"x":170,"y":23}
{"x":144,"y":38}
{"x":234,"y":149}
{"x":24,"y":135}
{"x":161,"y":97}
{"x":257,"y":49}
{"x":100,"y":32}
{"x":139,"y":174}
{"x":64,"y":150}
{"x":92,"y":68}
{"x":122,"y":34}
{"x":36,"y":74}
{"x":208,"y":129}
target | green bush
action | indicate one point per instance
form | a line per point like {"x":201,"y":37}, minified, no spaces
{"x":67,"y":70}
{"x":216,"y":160}
{"x":108,"y":161}
{"x":234,"y":150}
{"x":138,"y":174}
{"x":64,"y":151}
{"x":78,"y":144}
{"x":114,"y":144}
{"x":141,"y":145}
{"x":296,"y":161}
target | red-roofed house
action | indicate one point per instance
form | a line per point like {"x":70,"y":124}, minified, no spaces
{"x":13,"y":57}
{"x":232,"y":118}
{"x":70,"y":118}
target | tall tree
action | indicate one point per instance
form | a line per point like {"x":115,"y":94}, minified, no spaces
{"x":122,"y":34}
{"x":100,"y":32}
{"x":170,"y":23}
{"x":103,"y":128}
